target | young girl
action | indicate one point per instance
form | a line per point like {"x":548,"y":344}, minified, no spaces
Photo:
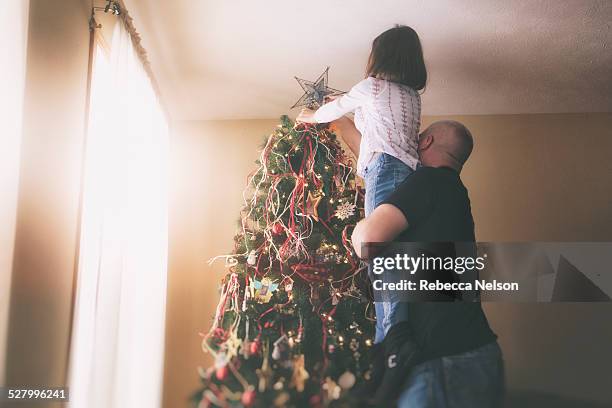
{"x":387,"y":108}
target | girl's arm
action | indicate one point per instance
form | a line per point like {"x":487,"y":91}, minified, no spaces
{"x":356,"y":97}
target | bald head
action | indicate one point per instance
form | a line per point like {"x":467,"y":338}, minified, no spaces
{"x":445,"y":143}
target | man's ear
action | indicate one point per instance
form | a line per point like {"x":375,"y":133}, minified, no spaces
{"x":425,"y":141}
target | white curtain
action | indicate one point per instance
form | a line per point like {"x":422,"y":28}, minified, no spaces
{"x":13,"y":39}
{"x":118,"y":333}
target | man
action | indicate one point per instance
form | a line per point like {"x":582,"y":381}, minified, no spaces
{"x":451,"y":356}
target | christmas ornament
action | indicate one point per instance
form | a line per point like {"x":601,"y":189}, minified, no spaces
{"x":315,"y":299}
{"x":281,"y":400}
{"x":315,"y":92}
{"x":280,"y":347}
{"x":262,"y":290}
{"x":345,"y":210}
{"x":221,"y":373}
{"x":333,"y":390}
{"x":248,"y":397}
{"x":221,"y":360}
{"x":346,"y":380}
{"x":255,"y":346}
{"x":277,"y":228}
{"x":300,"y":375}
{"x":246,"y":349}
{"x":354,"y":344}
{"x":276,"y":353}
{"x":288,"y":283}
{"x":312,"y":204}
{"x":353,"y":291}
{"x":279,"y":385}
{"x":245,"y":299}
{"x":335,"y":294}
{"x":264,"y":373}
{"x":252,"y":258}
{"x":231,"y":345}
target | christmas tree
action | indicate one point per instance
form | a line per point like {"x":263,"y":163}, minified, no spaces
{"x":294,"y":326}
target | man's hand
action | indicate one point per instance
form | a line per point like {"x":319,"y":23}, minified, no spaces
{"x":384,"y":224}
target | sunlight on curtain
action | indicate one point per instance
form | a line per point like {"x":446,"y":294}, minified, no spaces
{"x":118,"y":335}
{"x":13,"y":39}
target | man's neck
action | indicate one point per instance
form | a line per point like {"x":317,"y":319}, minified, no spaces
{"x":442,"y":163}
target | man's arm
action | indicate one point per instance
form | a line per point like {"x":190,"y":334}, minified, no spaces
{"x":349,"y":133}
{"x":384,"y":224}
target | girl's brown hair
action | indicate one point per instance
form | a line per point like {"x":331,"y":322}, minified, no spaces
{"x":397,"y":56}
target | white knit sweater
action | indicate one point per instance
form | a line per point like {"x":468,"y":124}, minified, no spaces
{"x":387,"y":114}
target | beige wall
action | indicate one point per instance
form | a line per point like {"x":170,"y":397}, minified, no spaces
{"x":532,"y":177}
{"x":46,"y":228}
{"x":546,"y":178}
{"x":541,"y":177}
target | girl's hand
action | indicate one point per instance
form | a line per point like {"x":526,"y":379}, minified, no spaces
{"x":330,"y":98}
{"x":306,"y":116}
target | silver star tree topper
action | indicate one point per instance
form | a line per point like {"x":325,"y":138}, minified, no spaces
{"x":315,"y":92}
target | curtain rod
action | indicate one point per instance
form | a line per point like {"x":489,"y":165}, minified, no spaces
{"x":117,"y":8}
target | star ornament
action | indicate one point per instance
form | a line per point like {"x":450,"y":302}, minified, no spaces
{"x":312,"y":205}
{"x":315,"y":92}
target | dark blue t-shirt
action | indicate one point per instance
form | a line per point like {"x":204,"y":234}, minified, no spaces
{"x":437,"y":207}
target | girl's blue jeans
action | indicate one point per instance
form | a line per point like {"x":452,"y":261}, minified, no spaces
{"x":382,"y":176}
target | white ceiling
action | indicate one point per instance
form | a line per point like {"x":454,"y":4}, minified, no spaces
{"x":237,"y":59}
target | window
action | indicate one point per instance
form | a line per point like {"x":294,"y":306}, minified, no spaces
{"x":118,"y":330}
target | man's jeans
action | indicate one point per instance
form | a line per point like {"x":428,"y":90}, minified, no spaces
{"x":382,"y":176}
{"x":474,"y":379}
